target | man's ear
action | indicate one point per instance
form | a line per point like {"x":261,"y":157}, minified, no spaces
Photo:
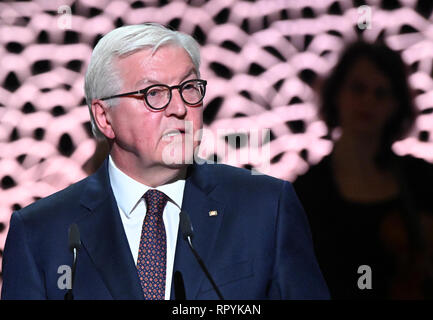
{"x":100,"y":111}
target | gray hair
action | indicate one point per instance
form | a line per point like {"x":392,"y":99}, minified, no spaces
{"x":103,"y":79}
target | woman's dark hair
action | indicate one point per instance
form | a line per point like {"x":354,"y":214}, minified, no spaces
{"x":392,"y":66}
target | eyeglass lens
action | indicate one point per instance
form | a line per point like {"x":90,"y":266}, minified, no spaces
{"x":159,"y":96}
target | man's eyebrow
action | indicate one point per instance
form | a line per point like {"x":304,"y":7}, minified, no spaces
{"x":153,"y":81}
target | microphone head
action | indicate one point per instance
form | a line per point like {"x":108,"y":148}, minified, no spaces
{"x":179,"y":286}
{"x":185,"y":225}
{"x":74,"y":237}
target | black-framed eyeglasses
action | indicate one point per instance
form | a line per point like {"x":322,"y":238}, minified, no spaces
{"x":158,"y":96}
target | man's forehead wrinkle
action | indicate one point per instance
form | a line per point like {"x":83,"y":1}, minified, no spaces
{"x":152,"y":77}
{"x":130,"y":64}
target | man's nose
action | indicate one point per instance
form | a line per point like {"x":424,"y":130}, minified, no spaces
{"x":176,"y":107}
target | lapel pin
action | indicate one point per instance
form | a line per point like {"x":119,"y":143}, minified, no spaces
{"x":213,"y":213}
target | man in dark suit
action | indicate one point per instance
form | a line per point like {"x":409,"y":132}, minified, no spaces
{"x":145,"y":97}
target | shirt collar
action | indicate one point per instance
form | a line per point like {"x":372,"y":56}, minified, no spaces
{"x":128,"y":192}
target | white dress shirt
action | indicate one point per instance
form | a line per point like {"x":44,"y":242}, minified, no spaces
{"x":132,"y":207}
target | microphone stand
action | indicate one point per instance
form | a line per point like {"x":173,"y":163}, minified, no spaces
{"x":187,"y":233}
{"x":200,"y":261}
{"x":74,"y":246}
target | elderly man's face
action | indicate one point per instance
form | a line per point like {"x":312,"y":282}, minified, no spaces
{"x":145,"y":135}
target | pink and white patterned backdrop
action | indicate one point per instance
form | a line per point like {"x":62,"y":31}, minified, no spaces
{"x":260,"y":59}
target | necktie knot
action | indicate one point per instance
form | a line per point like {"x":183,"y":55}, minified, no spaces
{"x":155,"y":201}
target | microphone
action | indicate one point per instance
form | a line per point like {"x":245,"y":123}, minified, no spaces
{"x":187,"y":233}
{"x":74,"y":246}
{"x":179,"y":287}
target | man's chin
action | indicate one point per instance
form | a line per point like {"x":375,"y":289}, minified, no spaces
{"x":177,"y":160}
{"x":177,"y":165}
{"x":178,"y":155}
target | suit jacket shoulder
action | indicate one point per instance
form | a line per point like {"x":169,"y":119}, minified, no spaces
{"x":238,"y":182}
{"x":52,"y":207}
{"x":258,"y":247}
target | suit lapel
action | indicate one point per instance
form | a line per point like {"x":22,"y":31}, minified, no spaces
{"x":198,"y":201}
{"x":104,"y":238}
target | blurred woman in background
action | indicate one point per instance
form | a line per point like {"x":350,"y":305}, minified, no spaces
{"x":367,"y":206}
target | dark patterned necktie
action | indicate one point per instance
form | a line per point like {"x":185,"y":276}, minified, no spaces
{"x":151,"y":262}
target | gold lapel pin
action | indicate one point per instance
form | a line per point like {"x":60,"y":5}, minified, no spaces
{"x":213,"y":213}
